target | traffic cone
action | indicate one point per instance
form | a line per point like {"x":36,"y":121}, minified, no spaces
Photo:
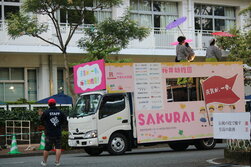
{"x":42,"y":142}
{"x":13,"y":148}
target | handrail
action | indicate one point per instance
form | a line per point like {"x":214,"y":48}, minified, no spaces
{"x":158,"y":39}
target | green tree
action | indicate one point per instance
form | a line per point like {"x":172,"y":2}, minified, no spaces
{"x":109,"y":37}
{"x":23,"y":24}
{"x":239,"y":46}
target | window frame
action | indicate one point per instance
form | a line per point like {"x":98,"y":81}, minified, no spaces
{"x":4,"y":3}
{"x":101,"y":112}
{"x":153,"y":13}
{"x":87,"y":9}
{"x":214,"y":17}
{"x":24,"y":82}
{"x":65,"y":88}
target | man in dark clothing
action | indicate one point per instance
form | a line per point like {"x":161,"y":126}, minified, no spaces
{"x":53,"y":119}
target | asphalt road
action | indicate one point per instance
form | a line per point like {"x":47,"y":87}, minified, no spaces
{"x":150,"y":157}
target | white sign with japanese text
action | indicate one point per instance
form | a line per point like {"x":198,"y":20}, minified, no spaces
{"x":148,"y":86}
{"x":231,"y":125}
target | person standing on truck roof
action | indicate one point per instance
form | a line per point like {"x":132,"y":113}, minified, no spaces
{"x":213,"y":53}
{"x":53,"y":119}
{"x":182,"y":52}
{"x":191,"y":55}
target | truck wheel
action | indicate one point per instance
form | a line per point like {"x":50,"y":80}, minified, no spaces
{"x":178,"y":146}
{"x":93,"y":151}
{"x":117,"y":144}
{"x":205,"y":144}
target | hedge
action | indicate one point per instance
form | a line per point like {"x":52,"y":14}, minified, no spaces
{"x":29,"y":115}
{"x":32,"y":116}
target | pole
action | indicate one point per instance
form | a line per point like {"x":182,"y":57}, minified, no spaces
{"x":181,"y":31}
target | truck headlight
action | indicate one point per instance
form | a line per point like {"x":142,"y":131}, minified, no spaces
{"x":91,"y":134}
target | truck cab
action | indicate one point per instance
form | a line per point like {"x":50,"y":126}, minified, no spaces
{"x":101,"y":121}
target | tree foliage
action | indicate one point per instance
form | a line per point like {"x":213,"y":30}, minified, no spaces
{"x":239,"y":46}
{"x":110,"y":37}
{"x":19,"y":25}
{"x":26,"y":22}
{"x":23,"y":24}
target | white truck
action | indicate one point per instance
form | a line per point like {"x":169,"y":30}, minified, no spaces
{"x":151,"y":103}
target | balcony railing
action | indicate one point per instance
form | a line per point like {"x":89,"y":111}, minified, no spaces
{"x":157,"y":39}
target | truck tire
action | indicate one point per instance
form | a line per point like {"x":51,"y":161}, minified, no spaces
{"x":178,"y":146}
{"x":117,"y":144}
{"x":93,"y":151}
{"x":205,"y":144}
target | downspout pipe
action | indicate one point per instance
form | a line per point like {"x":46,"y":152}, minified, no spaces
{"x":50,"y":74}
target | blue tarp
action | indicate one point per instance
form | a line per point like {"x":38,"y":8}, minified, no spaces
{"x":248,"y":97}
{"x":60,"y":98}
{"x":2,"y":103}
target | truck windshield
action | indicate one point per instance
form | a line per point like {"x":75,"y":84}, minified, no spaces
{"x":86,"y":105}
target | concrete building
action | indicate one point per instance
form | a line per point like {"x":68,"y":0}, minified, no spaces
{"x":33,"y":69}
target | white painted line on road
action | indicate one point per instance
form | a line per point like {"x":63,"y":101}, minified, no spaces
{"x":211,"y":161}
{"x":11,"y":163}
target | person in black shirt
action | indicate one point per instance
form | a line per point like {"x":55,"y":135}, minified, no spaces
{"x":52,"y":119}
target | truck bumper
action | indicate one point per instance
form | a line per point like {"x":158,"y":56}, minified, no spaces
{"x":83,"y":142}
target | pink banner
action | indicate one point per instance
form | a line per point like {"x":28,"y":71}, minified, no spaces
{"x":89,"y":76}
{"x":119,"y":77}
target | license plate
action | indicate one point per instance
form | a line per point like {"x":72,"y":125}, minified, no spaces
{"x":72,"y":143}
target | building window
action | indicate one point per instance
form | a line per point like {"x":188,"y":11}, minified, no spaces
{"x":8,"y":7}
{"x":61,"y":83}
{"x":111,"y":104}
{"x":60,"y":80}
{"x":10,"y":10}
{"x":153,"y":14}
{"x":13,"y":84}
{"x":91,"y":16}
{"x":13,"y":91}
{"x":32,"y":85}
{"x":214,"y":18}
{"x":0,"y":13}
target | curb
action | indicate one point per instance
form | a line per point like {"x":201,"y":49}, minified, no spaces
{"x":20,"y":155}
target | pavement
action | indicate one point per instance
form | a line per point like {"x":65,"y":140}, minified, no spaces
{"x":25,"y":150}
{"x":32,"y":150}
